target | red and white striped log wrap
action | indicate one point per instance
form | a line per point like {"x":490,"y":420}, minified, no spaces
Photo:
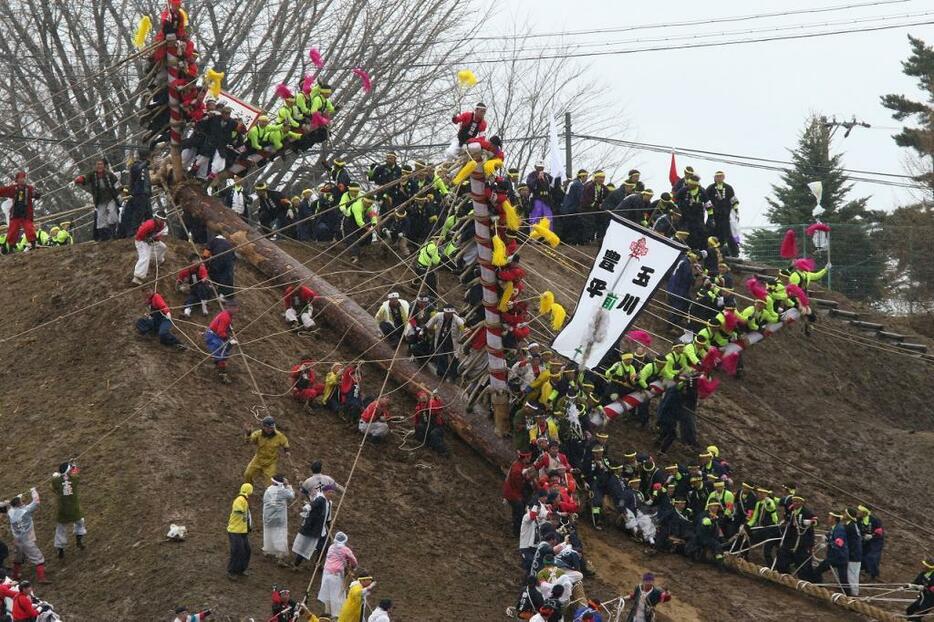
{"x":633,"y":400}
{"x":496,"y":359}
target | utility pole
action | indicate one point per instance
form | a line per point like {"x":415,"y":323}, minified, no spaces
{"x":568,"y":173}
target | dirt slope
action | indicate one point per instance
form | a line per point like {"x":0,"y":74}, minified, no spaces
{"x":857,"y":417}
{"x":420,"y":524}
{"x":433,"y":531}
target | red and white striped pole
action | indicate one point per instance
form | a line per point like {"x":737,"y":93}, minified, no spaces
{"x":175,"y":112}
{"x":496,"y":358}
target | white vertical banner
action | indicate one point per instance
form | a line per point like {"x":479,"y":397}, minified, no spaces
{"x":555,"y":163}
{"x":626,"y":272}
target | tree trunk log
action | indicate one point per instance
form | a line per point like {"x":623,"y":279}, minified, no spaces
{"x":342,"y":313}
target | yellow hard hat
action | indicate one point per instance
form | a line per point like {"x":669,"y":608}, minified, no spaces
{"x":54,"y":231}
{"x":65,"y":225}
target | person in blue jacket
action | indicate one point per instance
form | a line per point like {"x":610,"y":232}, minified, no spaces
{"x":679,"y":290}
{"x":838,"y":551}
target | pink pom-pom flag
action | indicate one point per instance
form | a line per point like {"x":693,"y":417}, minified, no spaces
{"x":706,"y":387}
{"x":796,"y":292}
{"x":316,"y":58}
{"x":730,"y":363}
{"x":283,"y":91}
{"x":365,"y":82}
{"x":307,"y":83}
{"x":710,"y":360}
{"x":756,"y":288}
{"x":640,"y":336}
{"x":805,"y":263}
{"x":318,"y":120}
{"x":817,"y":226}
{"x":789,"y":248}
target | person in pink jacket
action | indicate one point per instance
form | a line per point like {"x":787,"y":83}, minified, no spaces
{"x":339,"y":559}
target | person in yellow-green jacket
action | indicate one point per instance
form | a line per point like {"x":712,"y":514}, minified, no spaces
{"x":759,"y":314}
{"x":59,"y":236}
{"x":360,"y":219}
{"x":355,"y":605}
{"x":621,"y":377}
{"x":427,"y":261}
{"x":239,"y":525}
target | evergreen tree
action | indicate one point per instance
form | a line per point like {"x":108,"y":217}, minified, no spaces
{"x":857,"y":266}
{"x":919,"y":139}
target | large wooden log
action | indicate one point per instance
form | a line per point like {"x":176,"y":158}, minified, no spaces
{"x":342,"y":313}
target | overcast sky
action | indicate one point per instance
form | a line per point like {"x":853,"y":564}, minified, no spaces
{"x":749,"y":99}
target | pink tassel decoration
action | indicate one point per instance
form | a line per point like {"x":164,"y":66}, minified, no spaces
{"x":817,"y":226}
{"x":706,"y":387}
{"x":640,"y":336}
{"x":315,"y":57}
{"x":730,"y":363}
{"x":710,"y":360}
{"x":756,"y":288}
{"x":318,"y":120}
{"x":283,"y":91}
{"x":731,"y":321}
{"x":307,"y":83}
{"x":789,"y":248}
{"x":806,"y":264}
{"x":796,"y":292}
{"x":364,"y":79}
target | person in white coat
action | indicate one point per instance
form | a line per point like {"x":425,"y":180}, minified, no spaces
{"x":446,"y":328}
{"x":276,"y":501}
{"x":339,"y":559}
{"x":381,"y":613}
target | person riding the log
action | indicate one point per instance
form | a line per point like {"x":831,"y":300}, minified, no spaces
{"x":621,"y":377}
{"x":392,"y":317}
{"x":470,"y":124}
{"x":298,"y":301}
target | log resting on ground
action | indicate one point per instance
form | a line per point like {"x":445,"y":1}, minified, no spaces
{"x":342,"y":313}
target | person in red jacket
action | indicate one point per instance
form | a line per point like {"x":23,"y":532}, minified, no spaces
{"x":159,"y":321}
{"x":429,"y":422}
{"x":21,"y":213}
{"x":470,"y":125}
{"x":24,"y":607}
{"x":297,"y":301}
{"x":304,"y":387}
{"x":194,"y":280}
{"x":516,"y":488}
{"x":374,"y":420}
{"x":148,"y":243}
{"x":219,"y":339}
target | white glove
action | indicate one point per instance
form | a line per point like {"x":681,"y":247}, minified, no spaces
{"x":807,"y":522}
{"x":719,"y":301}
{"x":829,"y":265}
{"x":291,"y":214}
{"x":233,"y":342}
{"x":703,"y":254}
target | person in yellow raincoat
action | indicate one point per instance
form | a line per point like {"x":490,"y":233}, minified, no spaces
{"x":268,"y":440}
{"x":353,"y":609}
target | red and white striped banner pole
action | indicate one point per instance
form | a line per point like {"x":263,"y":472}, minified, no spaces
{"x":175,"y":112}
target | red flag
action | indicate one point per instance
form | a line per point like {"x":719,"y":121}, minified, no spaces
{"x":673,"y":171}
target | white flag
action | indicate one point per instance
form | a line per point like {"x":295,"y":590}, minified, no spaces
{"x":629,"y":268}
{"x":555,"y":167}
